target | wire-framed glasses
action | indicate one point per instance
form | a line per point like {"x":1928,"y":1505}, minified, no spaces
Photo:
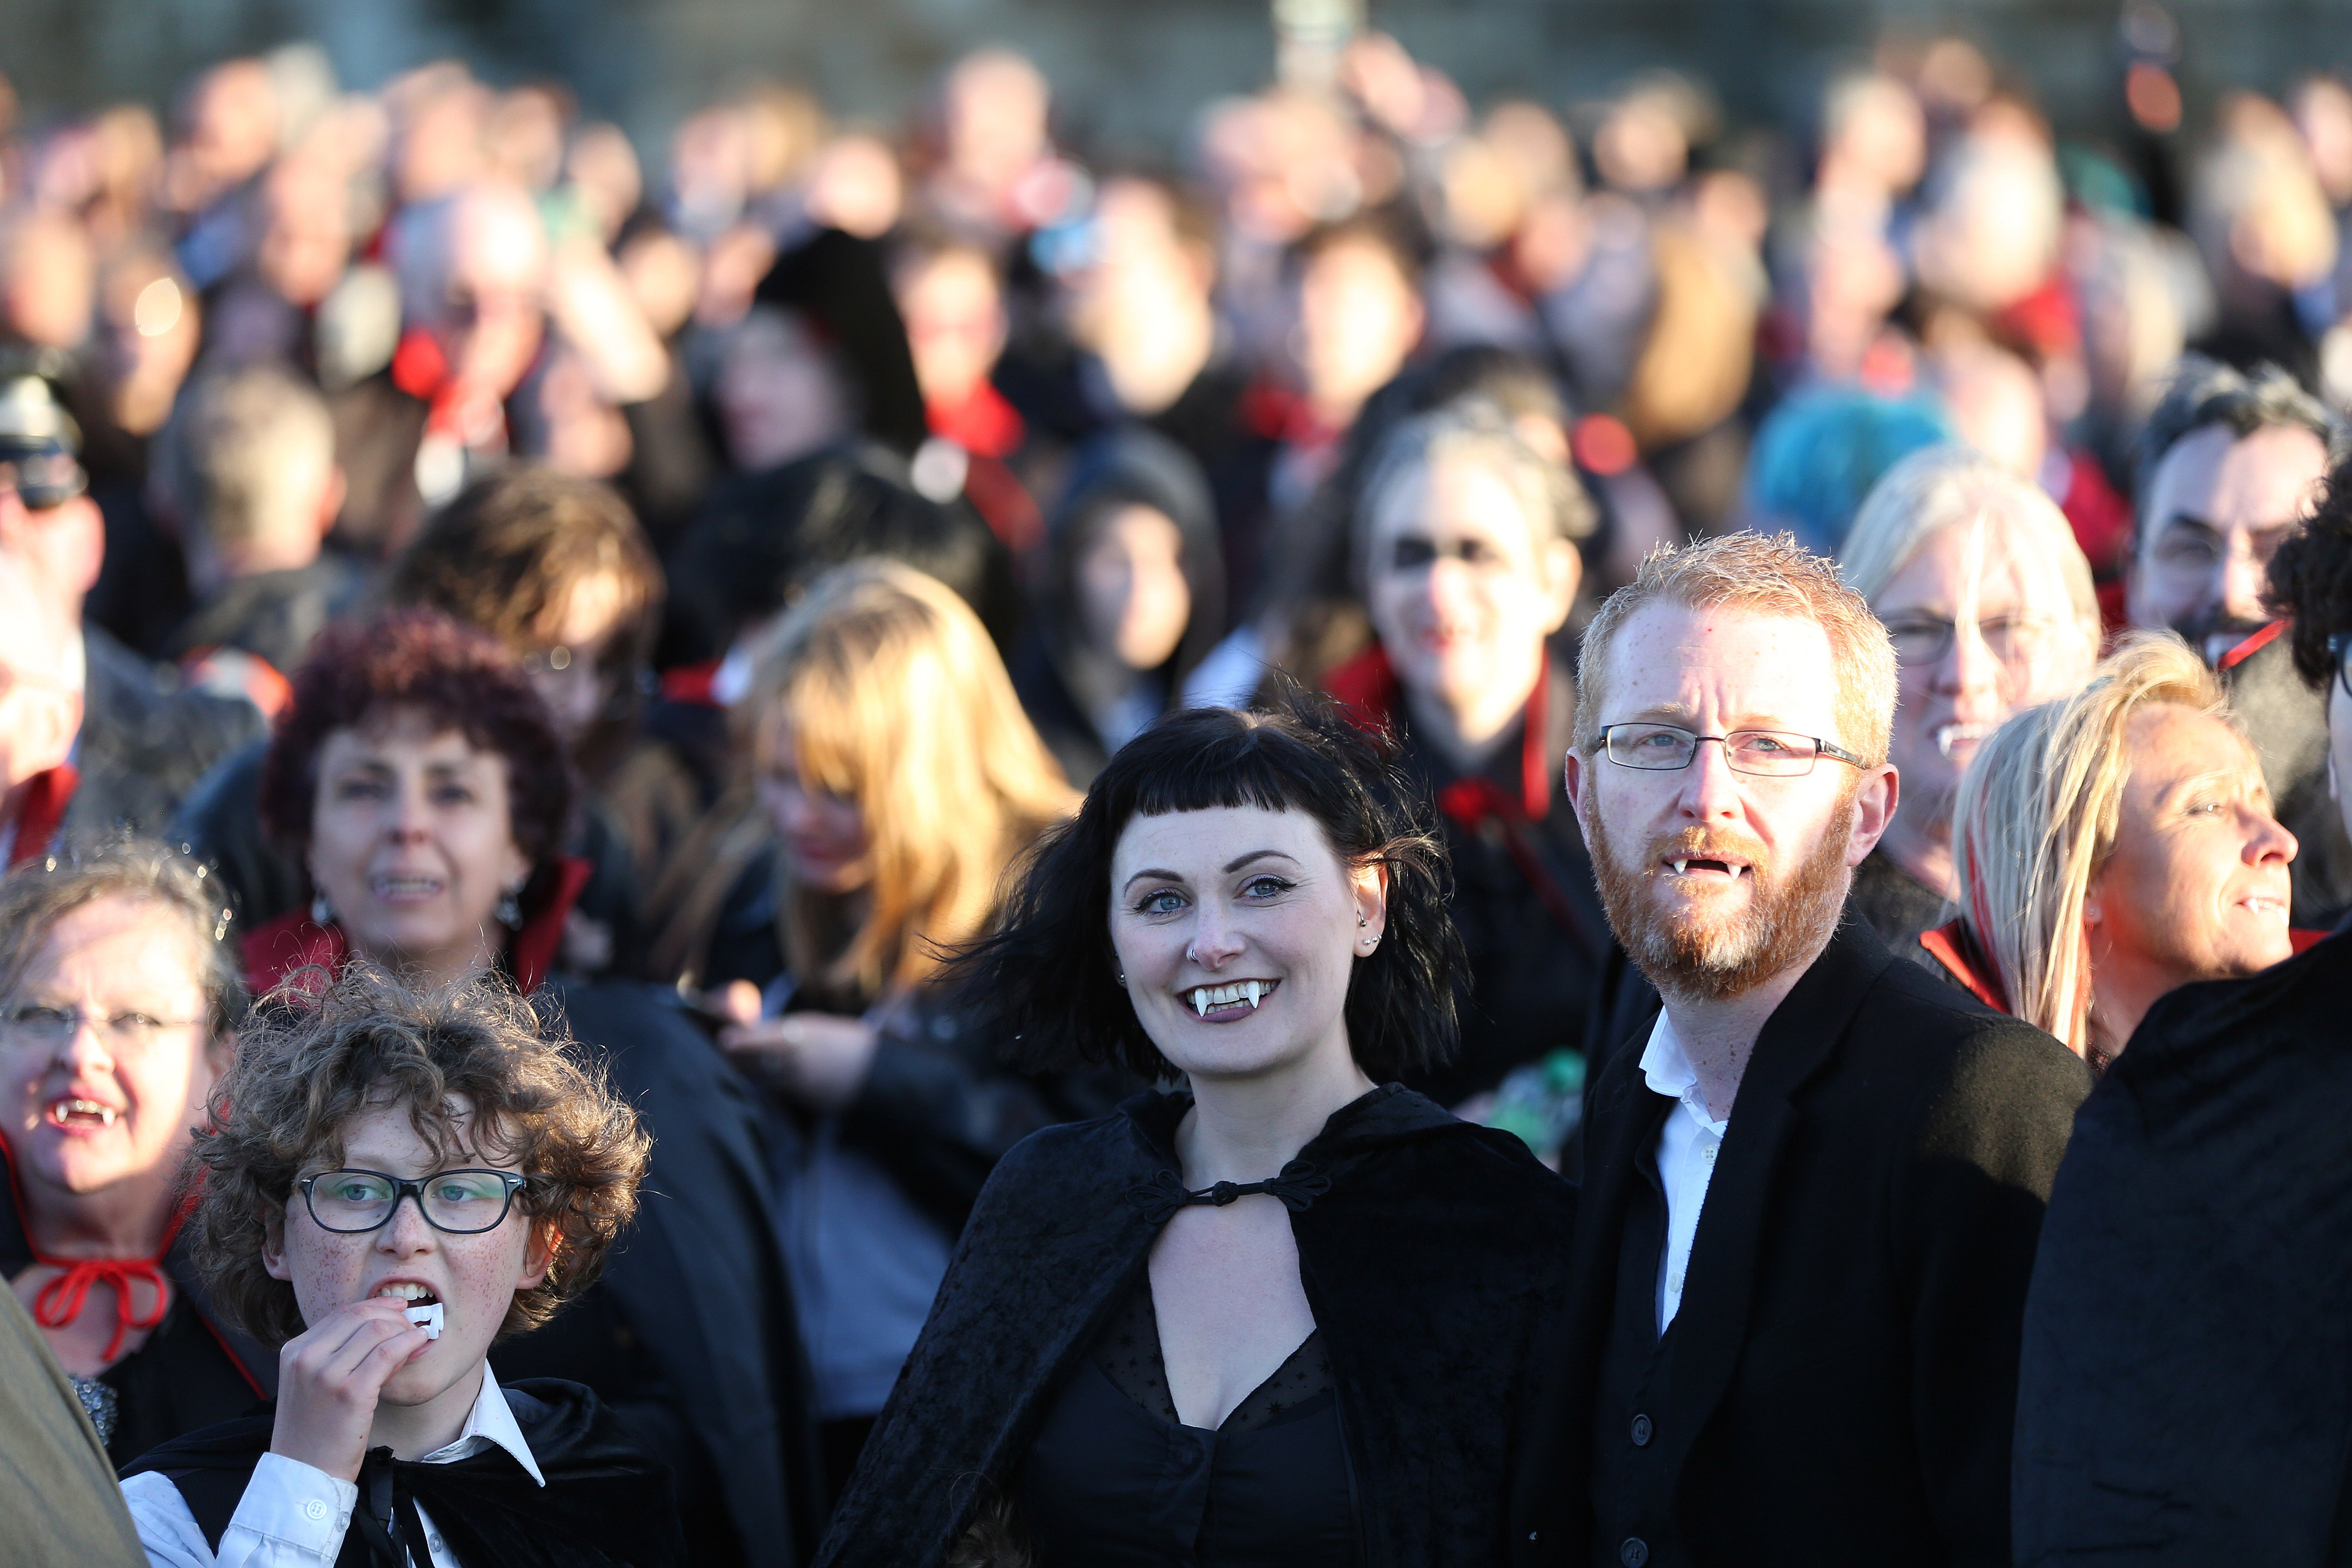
{"x":1772,"y":753}
{"x":461,"y":1203}
{"x":52,"y":1026}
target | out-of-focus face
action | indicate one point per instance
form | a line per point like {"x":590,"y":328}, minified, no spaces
{"x":1996,"y":405}
{"x":1718,"y":880}
{"x":307,"y":240}
{"x":475,"y":1277}
{"x":780,"y":396}
{"x":2218,"y":507}
{"x":955,"y":323}
{"x":825,"y":841}
{"x":493,"y":319}
{"x":1359,"y":318}
{"x":571,"y":670}
{"x":1983,"y":628}
{"x":2197,"y":886}
{"x":1208,"y":906}
{"x":47,"y":281}
{"x":1133,"y":600}
{"x":113,"y":1098}
{"x":995,"y":112}
{"x":412,"y":841}
{"x":1462,"y":588}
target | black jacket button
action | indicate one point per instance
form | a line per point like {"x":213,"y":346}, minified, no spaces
{"x":1642,"y":1431}
{"x":1634,"y":1553}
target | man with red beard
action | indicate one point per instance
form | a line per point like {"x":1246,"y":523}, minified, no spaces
{"x":1815,"y":1359}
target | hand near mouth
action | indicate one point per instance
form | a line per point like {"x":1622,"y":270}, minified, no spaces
{"x":330,"y":1378}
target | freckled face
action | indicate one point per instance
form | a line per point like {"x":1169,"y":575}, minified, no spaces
{"x":1207,"y":905}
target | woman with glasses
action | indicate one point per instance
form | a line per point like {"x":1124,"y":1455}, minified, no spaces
{"x":392,"y":1182}
{"x":2113,"y":847}
{"x":1990,"y":604}
{"x":117,"y":996}
{"x":419,"y":778}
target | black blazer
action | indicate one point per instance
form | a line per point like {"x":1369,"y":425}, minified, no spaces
{"x":1436,"y":1265}
{"x":1845,"y":1351}
{"x":2186,"y":1391}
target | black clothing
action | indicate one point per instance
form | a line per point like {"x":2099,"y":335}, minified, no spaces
{"x":1838,"y":1383}
{"x":694,"y":1344}
{"x":605,"y":1502}
{"x":378,"y":428}
{"x":145,"y":742}
{"x":2287,"y":722}
{"x":2185,"y":1392}
{"x":1898,"y":907}
{"x":1435,"y":1264}
{"x":1114,"y":1477}
{"x":273,"y":615}
{"x":56,"y":1486}
{"x":193,"y":1370}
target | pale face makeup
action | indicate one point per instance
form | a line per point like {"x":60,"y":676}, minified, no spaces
{"x":474,"y":1278}
{"x":1133,"y":599}
{"x":1237,"y":928}
{"x":412,"y":843}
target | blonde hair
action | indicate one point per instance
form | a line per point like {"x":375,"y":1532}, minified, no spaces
{"x":1951,"y":486}
{"x":1764,"y":575}
{"x":897,"y":700}
{"x":2037,"y":815}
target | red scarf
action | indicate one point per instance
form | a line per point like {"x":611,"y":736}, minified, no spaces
{"x":294,"y":941}
{"x":47,"y":796}
{"x":59,"y":1302}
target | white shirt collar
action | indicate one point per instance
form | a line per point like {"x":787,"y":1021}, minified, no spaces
{"x":492,"y":1420}
{"x":1669,"y":1072}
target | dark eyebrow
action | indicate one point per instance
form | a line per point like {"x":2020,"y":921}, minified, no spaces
{"x":1230,"y":866}
{"x":1149,"y":871}
{"x":2180,"y":519}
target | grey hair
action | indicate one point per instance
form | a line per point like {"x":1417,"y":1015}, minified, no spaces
{"x":1475,"y":427}
{"x":2206,"y":392}
{"x":37,"y":894}
{"x":247,"y":453}
{"x":1944,"y":487}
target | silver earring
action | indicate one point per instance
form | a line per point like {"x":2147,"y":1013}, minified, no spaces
{"x":510,"y":911}
{"x":1362,"y":921}
{"x":1122,"y":978}
{"x":321,"y":911}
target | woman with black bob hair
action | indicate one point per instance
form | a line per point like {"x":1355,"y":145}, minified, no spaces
{"x":1291,"y":1313}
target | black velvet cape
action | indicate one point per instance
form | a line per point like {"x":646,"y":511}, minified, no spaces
{"x":2186,"y":1390}
{"x":1436,"y":1266}
{"x":606,"y":1504}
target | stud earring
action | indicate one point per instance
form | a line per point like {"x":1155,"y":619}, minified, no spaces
{"x":510,"y":910}
{"x":321,"y":912}
{"x":1122,"y":979}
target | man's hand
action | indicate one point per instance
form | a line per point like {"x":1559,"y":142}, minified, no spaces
{"x":329,"y":1380}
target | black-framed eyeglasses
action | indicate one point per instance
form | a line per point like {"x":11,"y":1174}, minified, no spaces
{"x":1927,"y":639}
{"x":2340,"y":648}
{"x":461,"y":1203}
{"x":1772,"y":753}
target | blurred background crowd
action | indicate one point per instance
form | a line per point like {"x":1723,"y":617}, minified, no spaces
{"x":805,"y":508}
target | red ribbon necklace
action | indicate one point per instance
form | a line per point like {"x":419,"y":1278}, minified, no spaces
{"x":59,"y":1303}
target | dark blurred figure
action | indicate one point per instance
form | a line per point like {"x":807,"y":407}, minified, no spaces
{"x":2230,"y":467}
{"x":1131,"y":600}
{"x":141,"y":741}
{"x":953,"y":301}
{"x":248,"y":468}
{"x":2261,"y":222}
{"x":1466,"y":547}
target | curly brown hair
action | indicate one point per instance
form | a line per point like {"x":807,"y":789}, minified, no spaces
{"x":459,"y":678}
{"x":318,"y":1052}
{"x":2311,"y":579}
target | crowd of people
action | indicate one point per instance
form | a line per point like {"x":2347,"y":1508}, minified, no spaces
{"x":925,"y":848}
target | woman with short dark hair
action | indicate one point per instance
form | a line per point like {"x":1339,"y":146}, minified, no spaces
{"x":1289,"y":1313}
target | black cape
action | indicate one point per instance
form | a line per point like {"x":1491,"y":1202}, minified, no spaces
{"x":2186,"y":1390}
{"x":604,"y":1502}
{"x":1436,"y":1266}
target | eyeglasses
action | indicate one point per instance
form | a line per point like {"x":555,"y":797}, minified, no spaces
{"x":1926,"y":639}
{"x":1667,"y":748}
{"x":461,"y":1203}
{"x":2340,"y":648}
{"x":53,"y":1027}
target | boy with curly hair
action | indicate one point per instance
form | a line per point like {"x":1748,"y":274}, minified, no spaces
{"x":391,"y":1181}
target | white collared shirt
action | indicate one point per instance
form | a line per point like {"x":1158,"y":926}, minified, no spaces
{"x":293,"y":1515}
{"x":1686,"y":1155}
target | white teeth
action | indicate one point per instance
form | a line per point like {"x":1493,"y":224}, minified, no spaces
{"x":1200,"y":1000}
{"x":426,"y":1318}
{"x":405,"y":1291}
{"x":105,"y":1113}
{"x":1682,"y":868}
{"x":1951,"y":735}
{"x":1249,"y":989}
{"x":1203,"y":997}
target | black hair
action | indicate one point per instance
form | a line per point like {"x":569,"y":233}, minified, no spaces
{"x":2206,"y":392}
{"x":1044,"y":981}
{"x":2311,"y":579}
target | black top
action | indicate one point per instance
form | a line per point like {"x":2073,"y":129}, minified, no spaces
{"x":1114,"y":1479}
{"x":2185,"y":1392}
{"x":1435,"y":1263}
{"x":1898,"y":907}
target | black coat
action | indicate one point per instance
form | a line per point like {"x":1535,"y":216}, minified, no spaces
{"x":605,"y":1502}
{"x":2186,"y":1390}
{"x":146,"y":741}
{"x":1845,"y":1350}
{"x":690,"y":1333}
{"x":1437,"y":1268}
